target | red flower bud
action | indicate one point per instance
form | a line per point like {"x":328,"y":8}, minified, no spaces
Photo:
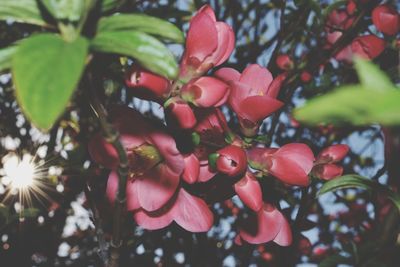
{"x":327,"y":171}
{"x":147,"y":85}
{"x":305,"y":76}
{"x":284,"y":62}
{"x":333,"y":153}
{"x":206,"y":92}
{"x":351,"y":7}
{"x":231,"y":160}
{"x":249,"y":191}
{"x":203,"y":53}
{"x":181,"y":112}
{"x":386,"y":19}
{"x":368,"y":46}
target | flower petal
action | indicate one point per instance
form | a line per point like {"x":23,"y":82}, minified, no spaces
{"x":156,"y":187}
{"x":257,"y":108}
{"x":249,"y":191}
{"x":257,"y":77}
{"x":192,"y":213}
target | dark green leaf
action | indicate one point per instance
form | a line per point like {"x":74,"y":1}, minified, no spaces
{"x":143,"y":23}
{"x":353,"y":180}
{"x":24,"y":11}
{"x":355,"y":105}
{"x":46,"y":70}
{"x":334,"y":260}
{"x":5,"y":57}
{"x":150,"y":52}
{"x":371,"y":76}
{"x":108,"y":5}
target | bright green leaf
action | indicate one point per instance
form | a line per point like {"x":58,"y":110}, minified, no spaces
{"x":24,"y":11}
{"x":354,"y":105}
{"x":143,"y":23}
{"x":5,"y":57}
{"x":46,"y":70}
{"x":150,"y":52}
{"x":371,"y":76}
{"x":352,"y":180}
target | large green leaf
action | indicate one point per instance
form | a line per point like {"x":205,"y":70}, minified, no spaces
{"x":375,"y":100}
{"x":143,"y":23}
{"x":371,"y":76}
{"x":6,"y":56}
{"x":24,"y":11}
{"x":46,"y":70}
{"x":353,"y":180}
{"x":354,"y":105}
{"x":150,"y":52}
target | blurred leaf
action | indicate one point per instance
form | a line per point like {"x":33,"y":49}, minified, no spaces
{"x":353,"y":180}
{"x":70,"y":10}
{"x":371,"y":76}
{"x":6,"y":56}
{"x":23,"y":11}
{"x":4,"y":215}
{"x":46,"y":70}
{"x":108,"y":5}
{"x":352,"y":105}
{"x":150,"y":52}
{"x":143,"y":23}
{"x":334,"y":260}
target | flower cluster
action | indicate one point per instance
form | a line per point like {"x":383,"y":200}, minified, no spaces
{"x":369,"y":46}
{"x":174,"y":167}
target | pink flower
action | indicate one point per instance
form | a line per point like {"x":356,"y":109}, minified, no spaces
{"x":284,"y":62}
{"x":212,"y":129}
{"x":249,"y":191}
{"x":324,"y":166}
{"x":202,"y":53}
{"x":368,"y":46}
{"x":291,"y":163}
{"x":267,"y":225}
{"x":155,"y":164}
{"x":386,"y":19}
{"x":190,"y":212}
{"x":253,"y":95}
{"x":146,"y":84}
{"x":179,"y":113}
{"x":206,"y":92}
{"x":231,"y":160}
{"x":339,"y":20}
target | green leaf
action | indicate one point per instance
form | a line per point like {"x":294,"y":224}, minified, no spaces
{"x":356,"y":105}
{"x":371,"y":76}
{"x":353,"y":180}
{"x":46,"y":70}
{"x":6,"y":56}
{"x":23,"y":11}
{"x":143,"y":23}
{"x":70,"y":10}
{"x":109,"y":5}
{"x":150,"y":52}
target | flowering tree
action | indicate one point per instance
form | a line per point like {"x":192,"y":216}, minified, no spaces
{"x":221,"y":153}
